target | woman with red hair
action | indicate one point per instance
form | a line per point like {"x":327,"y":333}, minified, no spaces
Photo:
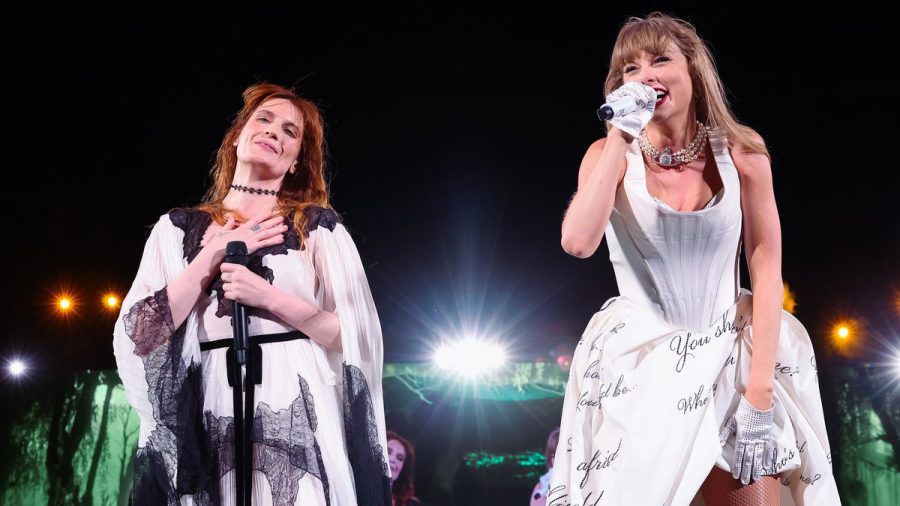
{"x":542,"y":488}
{"x":314,"y":422}
{"x":402,"y":461}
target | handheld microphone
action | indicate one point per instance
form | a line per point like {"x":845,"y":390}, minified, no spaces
{"x":236,"y":253}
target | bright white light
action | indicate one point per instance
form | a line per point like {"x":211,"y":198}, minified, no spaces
{"x":470,"y":357}
{"x":16,"y":367}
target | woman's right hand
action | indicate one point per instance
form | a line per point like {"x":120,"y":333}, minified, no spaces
{"x":262,"y":230}
{"x":187,"y":287}
{"x":634,"y":122}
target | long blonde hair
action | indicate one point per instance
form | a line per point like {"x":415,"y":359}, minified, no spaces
{"x":653,"y":35}
{"x":304,"y":188}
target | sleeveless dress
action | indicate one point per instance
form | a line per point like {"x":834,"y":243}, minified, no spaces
{"x":660,"y":368}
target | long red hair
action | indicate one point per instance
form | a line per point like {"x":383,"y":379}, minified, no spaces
{"x":304,"y":188}
{"x":403,"y":488}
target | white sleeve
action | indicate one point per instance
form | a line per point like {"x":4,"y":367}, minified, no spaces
{"x":145,"y":321}
{"x":347,"y":290}
{"x":160,"y":368}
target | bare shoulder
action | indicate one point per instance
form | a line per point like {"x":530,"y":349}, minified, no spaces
{"x":749,"y":163}
{"x":596,"y":147}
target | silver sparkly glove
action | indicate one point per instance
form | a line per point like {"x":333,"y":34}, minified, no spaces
{"x":754,"y":446}
{"x":645,"y":101}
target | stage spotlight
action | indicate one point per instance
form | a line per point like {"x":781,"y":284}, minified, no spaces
{"x":111,"y":301}
{"x":16,"y":367}
{"x":844,"y":333}
{"x":64,"y":303}
{"x":470,"y":357}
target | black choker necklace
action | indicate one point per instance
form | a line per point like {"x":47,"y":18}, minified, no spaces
{"x":258,"y":191}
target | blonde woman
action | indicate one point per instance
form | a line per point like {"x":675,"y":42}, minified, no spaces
{"x":674,"y":391}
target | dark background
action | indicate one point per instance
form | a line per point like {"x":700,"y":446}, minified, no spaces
{"x":454,"y":138}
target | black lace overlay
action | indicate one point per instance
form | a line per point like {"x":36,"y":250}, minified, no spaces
{"x":320,"y":216}
{"x":194,"y":224}
{"x":179,"y":441}
{"x":149,"y":323}
{"x":151,"y":482}
{"x":370,"y":471}
{"x":189,"y":451}
{"x":285,"y":446}
{"x":221,"y":437}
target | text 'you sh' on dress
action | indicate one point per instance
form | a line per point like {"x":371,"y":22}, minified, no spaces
{"x":660,"y":368}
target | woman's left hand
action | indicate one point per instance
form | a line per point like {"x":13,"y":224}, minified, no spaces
{"x":244,"y":286}
{"x":755,"y":449}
